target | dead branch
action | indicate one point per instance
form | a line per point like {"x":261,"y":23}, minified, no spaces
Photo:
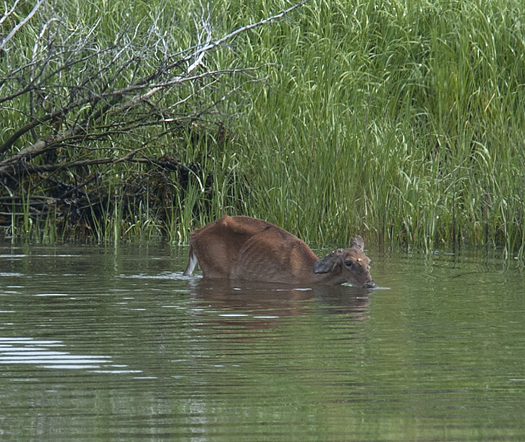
{"x":19,"y":25}
{"x":81,"y":112}
{"x":76,"y":108}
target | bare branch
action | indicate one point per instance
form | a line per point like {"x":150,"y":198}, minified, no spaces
{"x":8,"y":13}
{"x":103,"y":102}
{"x":249,"y":27}
{"x":19,"y":25}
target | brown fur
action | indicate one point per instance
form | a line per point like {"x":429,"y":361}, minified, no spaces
{"x":241,"y":247}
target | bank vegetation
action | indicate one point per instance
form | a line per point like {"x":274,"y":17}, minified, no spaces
{"x":400,"y":120}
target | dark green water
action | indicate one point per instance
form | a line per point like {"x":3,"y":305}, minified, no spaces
{"x":101,"y":344}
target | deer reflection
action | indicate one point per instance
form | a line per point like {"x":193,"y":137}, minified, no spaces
{"x":262,"y":305}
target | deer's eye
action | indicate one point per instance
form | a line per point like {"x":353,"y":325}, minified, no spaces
{"x":349,"y":264}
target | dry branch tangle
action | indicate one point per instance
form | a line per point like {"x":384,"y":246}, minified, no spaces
{"x":82,"y":118}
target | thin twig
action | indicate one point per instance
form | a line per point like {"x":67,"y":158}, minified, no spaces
{"x":19,"y":25}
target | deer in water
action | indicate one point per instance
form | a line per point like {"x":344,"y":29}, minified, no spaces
{"x":240,"y":247}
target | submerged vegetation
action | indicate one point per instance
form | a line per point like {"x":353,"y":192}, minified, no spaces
{"x":401,"y":120}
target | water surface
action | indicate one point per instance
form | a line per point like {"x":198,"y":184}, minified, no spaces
{"x":101,"y":344}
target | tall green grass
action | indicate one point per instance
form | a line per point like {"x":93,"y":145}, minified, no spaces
{"x":403,"y":121}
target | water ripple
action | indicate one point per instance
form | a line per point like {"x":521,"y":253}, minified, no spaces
{"x":43,"y":354}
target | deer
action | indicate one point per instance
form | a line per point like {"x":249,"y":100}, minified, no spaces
{"x":250,"y":249}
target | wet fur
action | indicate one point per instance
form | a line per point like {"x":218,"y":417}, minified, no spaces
{"x":252,"y":249}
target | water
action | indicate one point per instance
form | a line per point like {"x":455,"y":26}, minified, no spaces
{"x":101,"y":344}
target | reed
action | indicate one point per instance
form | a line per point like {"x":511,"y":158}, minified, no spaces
{"x":400,"y":120}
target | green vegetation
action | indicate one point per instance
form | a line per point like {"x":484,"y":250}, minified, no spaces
{"x":401,"y":120}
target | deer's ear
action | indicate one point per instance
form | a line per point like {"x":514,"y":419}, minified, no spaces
{"x":357,"y":243}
